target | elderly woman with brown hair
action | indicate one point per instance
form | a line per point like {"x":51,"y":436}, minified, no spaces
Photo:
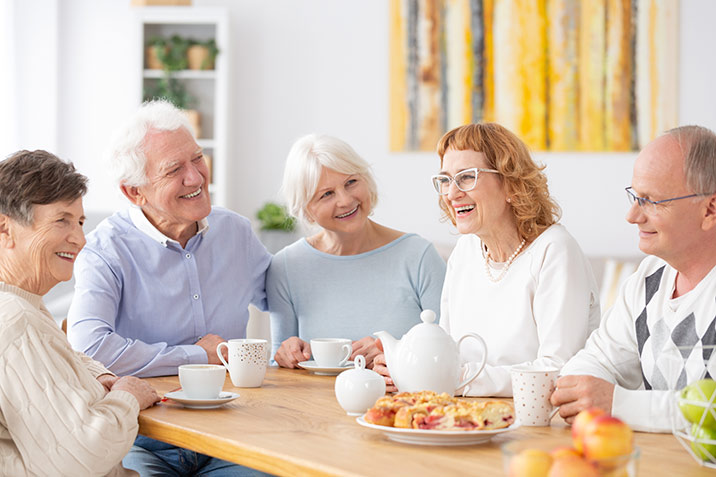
{"x":516,"y":277}
{"x":61,"y":413}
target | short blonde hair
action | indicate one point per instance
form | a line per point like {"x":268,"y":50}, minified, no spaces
{"x":308,"y":156}
{"x":526,"y":184}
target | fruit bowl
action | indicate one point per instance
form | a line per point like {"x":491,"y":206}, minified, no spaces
{"x":694,"y":423}
{"x":694,"y":405}
{"x":528,"y":457}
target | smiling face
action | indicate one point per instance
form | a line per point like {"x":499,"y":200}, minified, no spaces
{"x":176,"y":195}
{"x":482,"y":210}
{"x":672,"y":230}
{"x":341,"y":202}
{"x":47,"y":248}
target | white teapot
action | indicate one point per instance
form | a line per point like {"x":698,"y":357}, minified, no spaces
{"x":427,"y":358}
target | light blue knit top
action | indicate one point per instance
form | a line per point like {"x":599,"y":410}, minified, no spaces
{"x":312,"y":294}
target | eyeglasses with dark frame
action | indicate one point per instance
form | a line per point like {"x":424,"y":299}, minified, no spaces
{"x":464,"y":180}
{"x":649,"y":204}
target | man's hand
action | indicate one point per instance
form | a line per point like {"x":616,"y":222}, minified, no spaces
{"x":209,"y":343}
{"x":368,"y":348}
{"x":577,"y":393}
{"x":292,"y":351}
{"x":145,"y":394}
{"x":107,"y":380}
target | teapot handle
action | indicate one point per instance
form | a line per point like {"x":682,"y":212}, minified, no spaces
{"x":472,"y":376}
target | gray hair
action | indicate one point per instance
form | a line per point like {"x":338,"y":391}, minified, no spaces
{"x":308,"y":156}
{"x":29,"y":178}
{"x":126,"y":154}
{"x":698,"y":144}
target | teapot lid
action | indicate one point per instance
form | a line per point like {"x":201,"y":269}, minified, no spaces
{"x":428,"y":316}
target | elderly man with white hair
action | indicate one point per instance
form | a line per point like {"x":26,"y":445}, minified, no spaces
{"x":163,"y":282}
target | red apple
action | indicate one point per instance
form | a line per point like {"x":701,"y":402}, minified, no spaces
{"x":580,"y":423}
{"x":564,"y":451}
{"x":606,"y":437}
{"x":572,"y":466}
{"x":530,"y":463}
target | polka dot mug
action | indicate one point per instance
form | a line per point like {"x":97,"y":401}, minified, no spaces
{"x":532,"y":387}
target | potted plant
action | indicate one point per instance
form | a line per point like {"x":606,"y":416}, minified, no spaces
{"x":277,"y":226}
{"x":201,"y":55}
{"x":170,"y":54}
{"x":175,"y":92}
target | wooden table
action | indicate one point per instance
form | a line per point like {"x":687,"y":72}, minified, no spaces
{"x":293,"y":426}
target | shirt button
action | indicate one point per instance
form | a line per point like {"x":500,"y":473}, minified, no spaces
{"x":188,"y":255}
{"x":196,"y":297}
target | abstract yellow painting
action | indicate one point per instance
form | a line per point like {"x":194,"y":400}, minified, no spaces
{"x":564,"y":75}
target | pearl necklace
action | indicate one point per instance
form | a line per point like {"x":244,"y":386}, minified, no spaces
{"x":507,"y":264}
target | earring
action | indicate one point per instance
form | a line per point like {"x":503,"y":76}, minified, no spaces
{"x":509,"y":200}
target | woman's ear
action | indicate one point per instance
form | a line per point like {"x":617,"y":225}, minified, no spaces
{"x":6,"y":236}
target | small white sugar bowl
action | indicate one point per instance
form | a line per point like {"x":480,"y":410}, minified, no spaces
{"x":358,"y":389}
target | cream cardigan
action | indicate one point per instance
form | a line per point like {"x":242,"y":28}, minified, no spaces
{"x":55,"y":417}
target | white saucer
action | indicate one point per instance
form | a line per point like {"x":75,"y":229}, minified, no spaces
{"x":182,"y":398}
{"x":330,"y":371}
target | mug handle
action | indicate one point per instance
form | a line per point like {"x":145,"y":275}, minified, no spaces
{"x":472,"y":376}
{"x":554,"y":411}
{"x":349,"y":350}
{"x":221,"y":356}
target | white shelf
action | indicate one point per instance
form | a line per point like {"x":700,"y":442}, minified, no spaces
{"x":183,"y":74}
{"x":208,"y":87}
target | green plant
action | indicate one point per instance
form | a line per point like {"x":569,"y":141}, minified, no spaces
{"x":172,"y":90}
{"x":212,"y":49}
{"x":171,"y":52}
{"x":275,"y":217}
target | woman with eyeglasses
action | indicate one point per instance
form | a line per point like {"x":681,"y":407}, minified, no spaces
{"x":352,"y":276}
{"x":516,"y":277}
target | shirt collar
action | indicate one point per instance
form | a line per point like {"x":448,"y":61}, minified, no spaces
{"x":33,"y":299}
{"x":144,"y":225}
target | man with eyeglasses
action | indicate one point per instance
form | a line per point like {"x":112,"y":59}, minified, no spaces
{"x":657,"y":336}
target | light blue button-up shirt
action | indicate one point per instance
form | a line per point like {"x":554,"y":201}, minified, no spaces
{"x":141,"y":300}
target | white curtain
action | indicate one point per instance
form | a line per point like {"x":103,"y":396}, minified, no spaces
{"x":8,"y":68}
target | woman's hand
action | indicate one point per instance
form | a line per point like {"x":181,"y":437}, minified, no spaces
{"x":368,"y":348}
{"x":380,"y":367}
{"x":107,"y":380}
{"x":292,"y":351}
{"x":145,"y":394}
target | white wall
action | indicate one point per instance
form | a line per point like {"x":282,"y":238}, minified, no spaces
{"x":322,"y":66}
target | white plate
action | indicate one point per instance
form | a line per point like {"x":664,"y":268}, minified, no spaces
{"x":186,"y":401}
{"x":331,"y":371}
{"x":427,"y":437}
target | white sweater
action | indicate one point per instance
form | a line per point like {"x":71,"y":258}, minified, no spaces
{"x":55,"y":417}
{"x":650,"y":344}
{"x":541,"y":312}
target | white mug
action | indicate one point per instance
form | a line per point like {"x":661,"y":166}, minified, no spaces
{"x":202,"y":381}
{"x":247,"y":361}
{"x":532,"y":387}
{"x":331,"y":352}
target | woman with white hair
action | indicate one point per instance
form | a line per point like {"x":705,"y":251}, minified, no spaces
{"x":353,"y":276}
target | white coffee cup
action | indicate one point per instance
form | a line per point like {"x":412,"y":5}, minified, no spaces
{"x":202,"y":381}
{"x":247,"y":361}
{"x":532,"y":387}
{"x":331,"y":352}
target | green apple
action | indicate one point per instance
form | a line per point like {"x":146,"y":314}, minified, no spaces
{"x":702,"y":449}
{"x":699,"y":391}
